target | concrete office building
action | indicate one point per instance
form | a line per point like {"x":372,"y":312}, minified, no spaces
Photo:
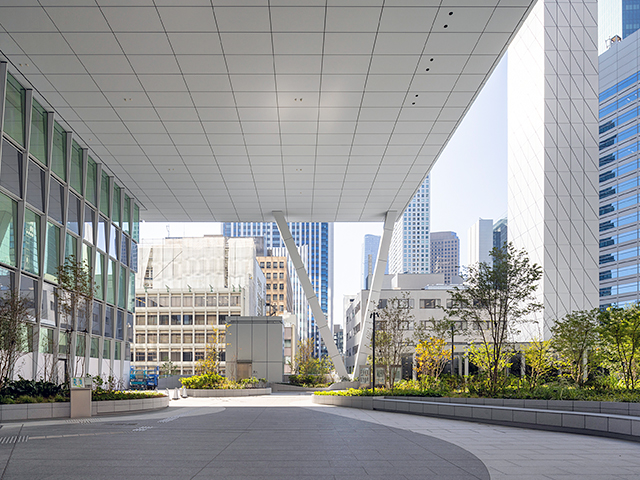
{"x":445,"y":254}
{"x":619,"y":170}
{"x":552,"y":180}
{"x":190,"y":288}
{"x":480,"y":238}
{"x":426,"y":295}
{"x":279,"y":296}
{"x":315,"y":242}
{"x":57,"y":201}
{"x":166,"y":97}
{"x":409,"y":251}
{"x":370,"y":249}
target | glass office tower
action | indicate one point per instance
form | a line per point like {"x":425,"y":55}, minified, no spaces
{"x":630,"y":17}
{"x":57,"y":200}
{"x":619,"y":173}
{"x":315,"y":240}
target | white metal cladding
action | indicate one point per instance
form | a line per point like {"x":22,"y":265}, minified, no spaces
{"x":327,"y":111}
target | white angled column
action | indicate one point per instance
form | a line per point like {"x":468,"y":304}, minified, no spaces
{"x":316,"y":309}
{"x":374,"y":292}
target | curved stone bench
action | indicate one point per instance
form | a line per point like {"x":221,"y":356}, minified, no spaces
{"x":624,"y":426}
{"x":240,"y":392}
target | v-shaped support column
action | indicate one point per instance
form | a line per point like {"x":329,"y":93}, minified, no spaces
{"x":374,"y":293}
{"x":312,"y":298}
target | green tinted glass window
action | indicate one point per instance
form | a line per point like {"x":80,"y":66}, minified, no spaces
{"x":94,"y":347}
{"x":122,"y":291}
{"x":111,"y":281}
{"x":14,"y":110}
{"x":136,"y":223}
{"x":46,"y":340}
{"x":99,"y":276}
{"x":8,"y":216}
{"x":31,"y":243}
{"x":126,"y":226}
{"x":52,"y":252}
{"x":38,"y":143}
{"x":76,"y":168}
{"x":116,"y":204}
{"x":59,"y":152}
{"x":71,"y":246}
{"x":118,"y":351}
{"x":104,"y":194}
{"x":132,"y":291}
{"x":81,"y":345}
{"x":92,"y":181}
{"x":106,"y":349}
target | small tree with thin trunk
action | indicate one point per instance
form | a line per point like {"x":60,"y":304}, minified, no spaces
{"x":391,"y":341}
{"x":620,"y":332}
{"x":494,"y":299}
{"x":74,"y":296}
{"x":14,"y":315}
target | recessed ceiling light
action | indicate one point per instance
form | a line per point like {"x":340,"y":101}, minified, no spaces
{"x":416,"y":94}
{"x":427,"y":70}
{"x":446,"y":26}
{"x":431,"y":60}
{"x":450,"y":13}
{"x":413,"y":103}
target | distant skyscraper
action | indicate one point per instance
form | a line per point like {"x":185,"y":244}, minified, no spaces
{"x":318,"y":237}
{"x":445,"y":254}
{"x":630,"y":17}
{"x":500,"y":233}
{"x":609,"y":22}
{"x":409,"y":251}
{"x":369,"y":257}
{"x":480,"y":241}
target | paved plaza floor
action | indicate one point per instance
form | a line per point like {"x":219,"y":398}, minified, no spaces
{"x":288,"y":437}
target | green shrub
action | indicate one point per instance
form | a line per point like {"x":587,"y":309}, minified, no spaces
{"x":205,"y":381}
{"x":99,"y":395}
{"x":26,"y":399}
{"x":32,"y":388}
{"x":306,"y":380}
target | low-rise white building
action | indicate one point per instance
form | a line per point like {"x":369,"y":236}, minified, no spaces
{"x":186,"y":289}
{"x":426,"y":293}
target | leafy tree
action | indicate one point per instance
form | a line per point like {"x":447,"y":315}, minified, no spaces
{"x":391,"y":342}
{"x":307,"y":369}
{"x":74,"y":296}
{"x":486,"y":357}
{"x":575,"y":339}
{"x":211,"y":361}
{"x":14,"y":314}
{"x":168,"y":369}
{"x":494,"y":299}
{"x":431,"y":358}
{"x":620,"y":332}
{"x":539,"y":358}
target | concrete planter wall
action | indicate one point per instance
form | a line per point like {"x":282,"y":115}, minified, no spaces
{"x":565,"y":416}
{"x":35,"y":411}
{"x":244,"y":392}
{"x":123,"y":406}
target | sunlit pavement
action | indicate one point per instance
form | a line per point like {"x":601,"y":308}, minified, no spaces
{"x":285,"y":436}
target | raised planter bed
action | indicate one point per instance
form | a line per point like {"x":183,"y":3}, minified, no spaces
{"x":544,"y":416}
{"x":240,"y":392}
{"x":35,"y":411}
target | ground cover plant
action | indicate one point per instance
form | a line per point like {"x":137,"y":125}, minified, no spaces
{"x":213,"y":381}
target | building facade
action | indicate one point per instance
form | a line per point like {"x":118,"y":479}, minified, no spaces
{"x":189,"y":289}
{"x":619,"y":171}
{"x":445,"y":254}
{"x":426,"y":294}
{"x":315,"y":243}
{"x":552,"y":154}
{"x":409,"y":250}
{"x":500,"y":233}
{"x":56,"y":201}
{"x":370,"y":249}
{"x":279,"y":297}
{"x":480,"y":241}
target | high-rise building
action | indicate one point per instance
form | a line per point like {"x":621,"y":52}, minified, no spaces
{"x":552,"y":154}
{"x":480,"y":240}
{"x":630,"y":17}
{"x":619,"y":170}
{"x":500,"y":233}
{"x":409,"y":251}
{"x":189,"y":288}
{"x":616,"y":18}
{"x":445,"y":254}
{"x":369,"y":257}
{"x":57,"y":201}
{"x":315,"y":242}
{"x":276,"y":271}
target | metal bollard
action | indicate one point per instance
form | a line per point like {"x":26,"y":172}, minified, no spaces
{"x":175,"y":395}
{"x":183,"y":392}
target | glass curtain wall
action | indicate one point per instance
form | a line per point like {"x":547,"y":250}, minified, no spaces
{"x":62,"y":202}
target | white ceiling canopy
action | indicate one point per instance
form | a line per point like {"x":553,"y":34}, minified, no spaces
{"x":331,"y":110}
